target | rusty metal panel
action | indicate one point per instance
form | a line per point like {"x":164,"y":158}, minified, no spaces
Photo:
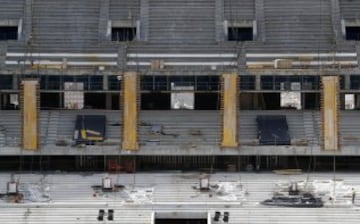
{"x":230,"y":110}
{"x":30,"y":115}
{"x":330,"y":113}
{"x":130,"y":111}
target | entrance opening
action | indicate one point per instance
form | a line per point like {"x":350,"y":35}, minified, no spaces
{"x":182,"y":218}
{"x":207,"y":101}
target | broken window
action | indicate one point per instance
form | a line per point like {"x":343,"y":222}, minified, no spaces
{"x":240,"y":33}
{"x":8,"y":33}
{"x":352,"y":33}
{"x":123,"y":33}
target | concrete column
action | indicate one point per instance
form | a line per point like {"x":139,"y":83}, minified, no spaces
{"x":258,"y":82}
{"x":30,"y":115}
{"x":130,"y":111}
{"x":15,"y":82}
{"x":230,"y":110}
{"x":330,"y":113}
{"x":347,"y":82}
{"x":108,"y":103}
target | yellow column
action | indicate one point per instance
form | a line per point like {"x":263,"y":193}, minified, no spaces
{"x":30,"y":115}
{"x":330,"y":113}
{"x":130,"y":111}
{"x":230,"y":110}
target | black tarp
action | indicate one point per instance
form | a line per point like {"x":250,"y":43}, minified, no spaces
{"x":89,"y":129}
{"x":273,"y":130}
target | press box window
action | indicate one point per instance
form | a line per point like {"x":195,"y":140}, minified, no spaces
{"x":352,"y":33}
{"x":123,"y":33}
{"x":8,"y":33}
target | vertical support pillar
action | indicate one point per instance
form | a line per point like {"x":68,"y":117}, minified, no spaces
{"x":30,"y":115}
{"x":130,"y":111}
{"x":230,"y":110}
{"x":330,"y":113}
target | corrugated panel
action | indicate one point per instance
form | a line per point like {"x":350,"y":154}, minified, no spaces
{"x":235,"y":10}
{"x":11,"y":9}
{"x":350,"y":9}
{"x":182,"y":21}
{"x":300,"y":23}
{"x":124,"y":9}
{"x":70,"y":24}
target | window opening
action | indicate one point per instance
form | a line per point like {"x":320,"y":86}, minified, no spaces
{"x":353,"y":33}
{"x":121,"y":34}
{"x":240,"y":33}
{"x":8,"y":33}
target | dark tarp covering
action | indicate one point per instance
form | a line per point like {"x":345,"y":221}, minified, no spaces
{"x":273,"y":130}
{"x":89,"y":129}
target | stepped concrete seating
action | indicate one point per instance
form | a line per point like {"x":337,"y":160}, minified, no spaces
{"x":73,"y":201}
{"x":180,"y":127}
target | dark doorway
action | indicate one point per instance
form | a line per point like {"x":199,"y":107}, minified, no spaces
{"x":240,"y":33}
{"x":271,"y":101}
{"x":8,"y":32}
{"x":50,"y":101}
{"x":180,"y":221}
{"x":155,"y":101}
{"x":353,"y":33}
{"x":207,"y":101}
{"x":311,"y":101}
{"x":94,"y":100}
